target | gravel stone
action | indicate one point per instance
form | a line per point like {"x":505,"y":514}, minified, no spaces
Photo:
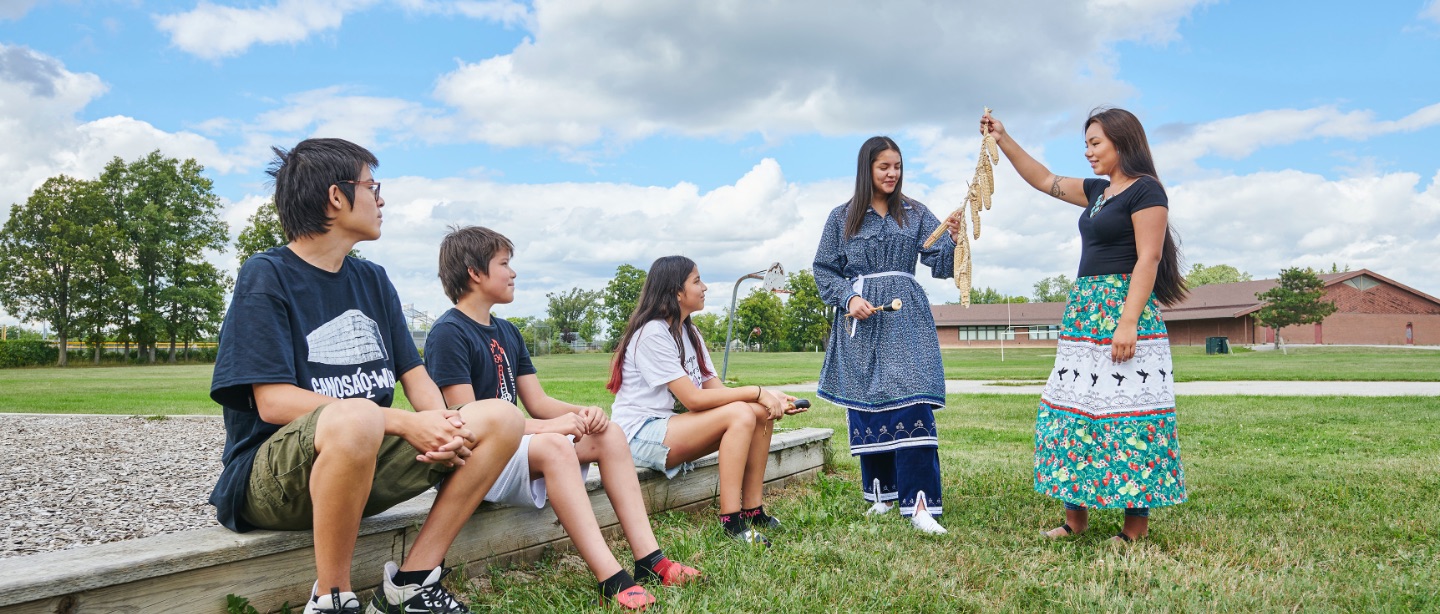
{"x":72,"y":481}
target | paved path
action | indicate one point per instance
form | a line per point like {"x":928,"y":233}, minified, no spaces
{"x":1279,"y":389}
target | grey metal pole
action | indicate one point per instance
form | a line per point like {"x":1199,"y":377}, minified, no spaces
{"x":730,"y":331}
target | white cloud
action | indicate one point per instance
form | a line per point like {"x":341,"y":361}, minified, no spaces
{"x":212,"y":31}
{"x":575,"y":234}
{"x":1264,"y":222}
{"x":1431,"y":11}
{"x":626,"y":69}
{"x":15,"y":9}
{"x":42,"y":98}
{"x":1239,"y":136}
{"x":335,"y":112}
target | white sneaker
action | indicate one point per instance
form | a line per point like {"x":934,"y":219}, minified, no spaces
{"x":429,"y":596}
{"x":922,"y":520}
{"x":879,"y":508}
{"x":925,"y":523}
{"x":334,"y":603}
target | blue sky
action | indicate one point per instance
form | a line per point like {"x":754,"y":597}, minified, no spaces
{"x":597,"y":133}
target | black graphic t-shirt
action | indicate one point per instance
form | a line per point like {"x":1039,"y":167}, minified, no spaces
{"x":339,"y":334}
{"x":459,"y":350}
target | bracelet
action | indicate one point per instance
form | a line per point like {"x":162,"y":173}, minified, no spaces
{"x":758,"y":391}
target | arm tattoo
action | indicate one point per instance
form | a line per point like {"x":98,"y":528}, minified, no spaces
{"x":1055,"y":188}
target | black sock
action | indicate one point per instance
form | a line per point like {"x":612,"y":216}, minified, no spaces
{"x":405,"y":578}
{"x":734,"y":523}
{"x":754,"y":512}
{"x":645,"y":566}
{"x":614,"y":584}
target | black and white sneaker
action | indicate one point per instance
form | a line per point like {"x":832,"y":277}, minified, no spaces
{"x":749,"y":536}
{"x":761,"y":520}
{"x":334,"y":603}
{"x":429,"y":597}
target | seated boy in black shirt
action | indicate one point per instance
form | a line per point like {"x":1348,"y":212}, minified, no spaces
{"x":473,"y":355}
{"x":310,"y":351}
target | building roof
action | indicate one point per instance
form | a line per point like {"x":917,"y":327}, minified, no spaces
{"x":1203,"y":303}
{"x":998,"y":315}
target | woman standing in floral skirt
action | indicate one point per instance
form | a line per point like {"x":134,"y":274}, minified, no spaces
{"x":1105,"y":434}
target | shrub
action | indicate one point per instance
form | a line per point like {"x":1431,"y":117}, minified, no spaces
{"x":27,"y":353}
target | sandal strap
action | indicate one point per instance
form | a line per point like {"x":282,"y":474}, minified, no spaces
{"x":1068,"y":530}
{"x":1124,"y":538}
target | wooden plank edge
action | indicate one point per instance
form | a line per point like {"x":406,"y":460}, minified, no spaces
{"x":87,"y":568}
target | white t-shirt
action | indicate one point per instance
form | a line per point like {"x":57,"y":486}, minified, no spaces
{"x":652,"y":361}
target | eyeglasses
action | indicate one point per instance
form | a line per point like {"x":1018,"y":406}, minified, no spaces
{"x":373,"y":186}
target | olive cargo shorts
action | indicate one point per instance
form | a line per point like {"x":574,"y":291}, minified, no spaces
{"x":279,"y":493}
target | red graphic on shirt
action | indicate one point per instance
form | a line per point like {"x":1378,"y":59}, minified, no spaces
{"x":503,"y":374}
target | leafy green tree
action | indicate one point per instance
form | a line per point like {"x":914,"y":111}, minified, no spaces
{"x":990,"y":296}
{"x":170,"y":215}
{"x":103,"y":299}
{"x":712,"y":327}
{"x":762,"y":311}
{"x":47,"y":247}
{"x":1201,"y":275}
{"x":621,"y":295}
{"x":263,"y":231}
{"x":804,"y":324}
{"x":1297,"y":299}
{"x":574,"y":313}
{"x":1053,"y":289}
{"x":193,"y":305}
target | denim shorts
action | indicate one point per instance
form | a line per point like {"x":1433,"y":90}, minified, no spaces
{"x":648,"y":448}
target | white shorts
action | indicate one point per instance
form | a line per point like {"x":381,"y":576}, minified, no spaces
{"x":515,"y":487}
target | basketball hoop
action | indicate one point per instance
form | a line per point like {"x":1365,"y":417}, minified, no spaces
{"x":774,"y":278}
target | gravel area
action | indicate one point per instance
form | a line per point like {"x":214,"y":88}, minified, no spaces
{"x":73,"y":481}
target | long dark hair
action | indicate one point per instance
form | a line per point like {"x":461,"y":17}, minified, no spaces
{"x":1125,"y":132}
{"x":865,"y":185}
{"x":659,"y":300}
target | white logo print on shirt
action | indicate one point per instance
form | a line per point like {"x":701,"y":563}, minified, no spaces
{"x":352,"y":338}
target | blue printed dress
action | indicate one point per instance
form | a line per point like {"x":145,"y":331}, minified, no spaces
{"x":885,"y":370}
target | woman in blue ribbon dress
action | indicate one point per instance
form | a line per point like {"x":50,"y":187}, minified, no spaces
{"x":884,"y":367}
{"x":1105,"y":432}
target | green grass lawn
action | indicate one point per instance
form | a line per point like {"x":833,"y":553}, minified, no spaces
{"x":184,"y":389}
{"x":1316,"y":504}
{"x":1320,"y":504}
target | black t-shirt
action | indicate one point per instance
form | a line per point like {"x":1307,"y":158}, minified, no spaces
{"x":459,"y":350}
{"x":1107,"y":241}
{"x":339,"y":334}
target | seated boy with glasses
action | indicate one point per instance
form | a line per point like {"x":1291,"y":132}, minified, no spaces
{"x":310,"y":352}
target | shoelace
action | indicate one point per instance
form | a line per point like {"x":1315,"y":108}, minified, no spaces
{"x":435,"y":596}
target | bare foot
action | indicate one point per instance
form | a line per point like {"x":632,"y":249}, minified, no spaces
{"x":1136,"y":528}
{"x":1065,"y":530}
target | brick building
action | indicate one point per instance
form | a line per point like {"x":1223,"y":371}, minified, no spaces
{"x":1371,"y":309}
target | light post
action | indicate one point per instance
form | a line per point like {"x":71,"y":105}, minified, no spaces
{"x":774,"y":279}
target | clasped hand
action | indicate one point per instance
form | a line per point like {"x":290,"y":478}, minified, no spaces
{"x":442,"y":434}
{"x":587,"y":421}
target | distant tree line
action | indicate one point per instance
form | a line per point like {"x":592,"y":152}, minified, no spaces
{"x":797,"y":323}
{"x":118,"y":258}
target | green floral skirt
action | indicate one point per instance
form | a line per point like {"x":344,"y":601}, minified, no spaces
{"x":1105,"y":433}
